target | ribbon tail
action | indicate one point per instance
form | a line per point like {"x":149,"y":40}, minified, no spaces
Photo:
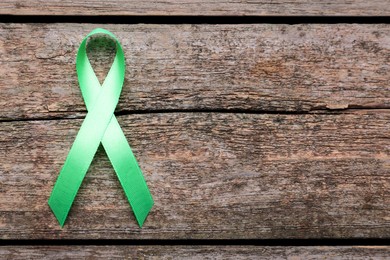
{"x":70,"y":178}
{"x":60,"y":204}
{"x":128,"y":171}
{"x":81,"y":155}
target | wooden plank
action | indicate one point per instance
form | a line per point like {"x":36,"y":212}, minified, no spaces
{"x":194,"y":252}
{"x":212,"y":175}
{"x":202,"y":7}
{"x":256,"y":67}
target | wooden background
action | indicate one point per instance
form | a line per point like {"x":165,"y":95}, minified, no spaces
{"x":254,"y":131}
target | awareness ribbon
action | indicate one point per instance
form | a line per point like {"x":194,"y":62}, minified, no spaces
{"x":100,"y":125}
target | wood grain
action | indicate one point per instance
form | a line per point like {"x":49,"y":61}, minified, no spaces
{"x":255,"y":67}
{"x":194,"y":252}
{"x":213,"y":176}
{"x":202,"y":7}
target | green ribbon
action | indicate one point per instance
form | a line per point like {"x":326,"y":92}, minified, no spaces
{"x":100,"y":125}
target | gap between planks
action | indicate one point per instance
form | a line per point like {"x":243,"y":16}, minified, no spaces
{"x":109,"y":19}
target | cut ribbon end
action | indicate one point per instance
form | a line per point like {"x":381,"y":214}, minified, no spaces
{"x":58,"y":213}
{"x":142,"y":214}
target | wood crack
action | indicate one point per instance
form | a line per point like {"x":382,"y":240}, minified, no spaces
{"x":82,"y":114}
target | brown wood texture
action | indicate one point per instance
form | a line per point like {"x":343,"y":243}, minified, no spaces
{"x":194,"y":252}
{"x":203,"y":7}
{"x":258,"y":67}
{"x":212,"y":175}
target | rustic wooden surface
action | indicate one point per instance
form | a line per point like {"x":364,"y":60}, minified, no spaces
{"x":212,"y":175}
{"x":200,"y":8}
{"x":243,"y":131}
{"x":260,"y":68}
{"x":194,"y":252}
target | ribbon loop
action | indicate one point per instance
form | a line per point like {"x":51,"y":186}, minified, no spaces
{"x":100,"y":125}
